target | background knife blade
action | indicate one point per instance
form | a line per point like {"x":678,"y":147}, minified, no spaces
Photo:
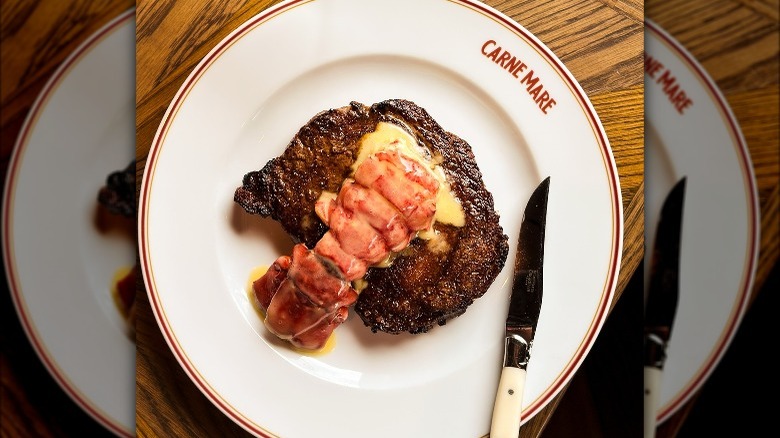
{"x":662,"y":297}
{"x":524,"y":307}
{"x":663,"y":286}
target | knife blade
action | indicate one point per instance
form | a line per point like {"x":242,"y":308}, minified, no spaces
{"x":524,"y":307}
{"x":662,"y":297}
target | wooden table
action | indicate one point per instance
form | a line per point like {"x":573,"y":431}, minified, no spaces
{"x":600,"y":42}
{"x":36,"y":38}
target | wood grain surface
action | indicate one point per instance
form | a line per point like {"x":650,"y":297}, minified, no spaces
{"x":35,"y":37}
{"x":600,"y":42}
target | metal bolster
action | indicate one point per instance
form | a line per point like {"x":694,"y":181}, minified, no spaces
{"x":655,"y":351}
{"x":517,"y":351}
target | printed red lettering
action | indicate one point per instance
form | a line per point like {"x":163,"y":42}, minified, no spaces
{"x":503,"y":58}
{"x":514,"y":66}
{"x":530,"y":79}
{"x":682,"y":102}
{"x":652,"y":66}
{"x":543,"y":98}
{"x":679,"y":99}
{"x":676,"y":95}
{"x":666,"y":79}
{"x":519,"y":69}
{"x":548,"y":105}
{"x":485,"y":46}
{"x":535,"y":92}
{"x":671,"y":91}
{"x":494,"y":54}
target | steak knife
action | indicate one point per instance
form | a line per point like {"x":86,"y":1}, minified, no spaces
{"x":524,"y":307}
{"x":662,"y":295}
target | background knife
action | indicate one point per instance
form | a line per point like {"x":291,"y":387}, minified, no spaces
{"x":524,"y":306}
{"x":662,"y":295}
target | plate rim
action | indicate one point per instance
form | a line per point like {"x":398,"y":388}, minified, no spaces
{"x":748,"y":173}
{"x":9,"y":192}
{"x":616,"y":246}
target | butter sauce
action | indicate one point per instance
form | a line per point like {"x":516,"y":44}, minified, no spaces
{"x":435,"y":242}
{"x":388,"y":136}
{"x":120,"y":303}
{"x":258,"y":272}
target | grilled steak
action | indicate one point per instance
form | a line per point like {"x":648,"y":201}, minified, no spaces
{"x":118,"y":194}
{"x":430,"y":281}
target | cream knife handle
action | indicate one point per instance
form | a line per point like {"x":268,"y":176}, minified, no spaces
{"x":509,"y":403}
{"x":652,"y":392}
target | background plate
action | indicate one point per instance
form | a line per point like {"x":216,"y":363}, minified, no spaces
{"x":720,"y":234}
{"x":59,"y":264}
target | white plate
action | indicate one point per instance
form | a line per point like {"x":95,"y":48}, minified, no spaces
{"x":241,"y":106}
{"x":720,"y":231}
{"x":59,"y":266}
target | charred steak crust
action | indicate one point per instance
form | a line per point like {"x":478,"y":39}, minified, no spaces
{"x":423,"y":287}
{"x":118,"y":193}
